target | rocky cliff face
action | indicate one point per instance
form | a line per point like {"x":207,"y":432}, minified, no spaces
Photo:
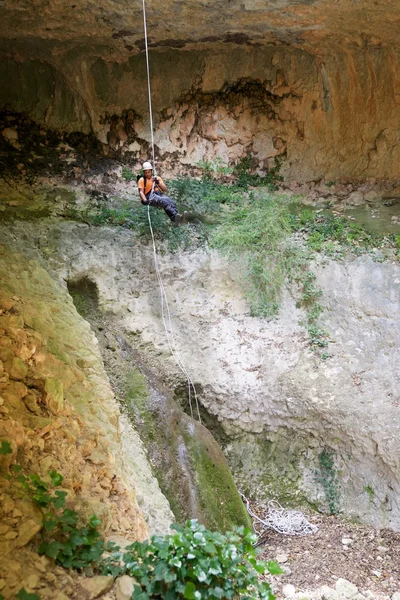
{"x":314,"y":84}
{"x":293,"y":426}
{"x":57,"y":411}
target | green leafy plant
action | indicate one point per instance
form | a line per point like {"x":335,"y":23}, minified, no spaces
{"x":246,"y":177}
{"x":331,"y":234}
{"x":243,"y":172}
{"x":191,"y":563}
{"x":62,"y":537}
{"x":128,"y":174}
{"x":370,"y":491}
{"x":214,"y":169}
{"x":5,"y":448}
{"x":194,"y":563}
{"x":255,"y":236}
{"x":310,"y":295}
{"x":24,"y":595}
{"x":327,"y":476}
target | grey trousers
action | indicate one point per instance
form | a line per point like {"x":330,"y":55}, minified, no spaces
{"x":160,"y":201}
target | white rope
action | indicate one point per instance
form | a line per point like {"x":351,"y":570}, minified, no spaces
{"x":281,"y":520}
{"x":165,"y":311}
{"x":148,"y":85}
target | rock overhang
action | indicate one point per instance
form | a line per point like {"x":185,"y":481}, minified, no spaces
{"x":116,"y":28}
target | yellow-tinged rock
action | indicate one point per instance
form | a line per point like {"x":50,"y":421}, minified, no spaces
{"x":32,"y":581}
{"x":6,"y":303}
{"x":54,"y":398}
{"x":11,"y":321}
{"x":93,"y":587}
{"x":27,"y":531}
{"x":17,"y":369}
{"x":124,"y":588}
{"x":31,"y":403}
{"x":6,"y":354}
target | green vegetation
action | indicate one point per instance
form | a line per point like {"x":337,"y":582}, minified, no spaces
{"x":255,"y":236}
{"x":202,"y":478}
{"x":370,"y":491}
{"x":242,"y":174}
{"x":5,"y":448}
{"x":134,"y":216}
{"x":194,"y":564}
{"x":333,"y":235}
{"x":214,"y":169}
{"x":24,"y":595}
{"x":310,"y":295}
{"x":246,"y":178}
{"x":191,"y":563}
{"x":128,"y":175}
{"x":327,"y":476}
{"x":62,"y":538}
{"x":254,"y":228}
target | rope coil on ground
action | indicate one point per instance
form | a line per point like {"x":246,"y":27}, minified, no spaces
{"x":165,"y":311}
{"x":281,"y":520}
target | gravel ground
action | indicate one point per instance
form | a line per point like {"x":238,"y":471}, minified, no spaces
{"x":368,"y":558}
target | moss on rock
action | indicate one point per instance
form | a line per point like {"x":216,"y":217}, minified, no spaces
{"x":189,"y":464}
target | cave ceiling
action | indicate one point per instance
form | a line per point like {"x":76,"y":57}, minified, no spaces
{"x":114,"y":28}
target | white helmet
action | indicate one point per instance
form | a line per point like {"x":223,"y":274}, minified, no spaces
{"x":146,"y":166}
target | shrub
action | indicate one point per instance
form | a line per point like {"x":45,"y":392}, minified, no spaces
{"x":327,"y":476}
{"x":246,"y":177}
{"x":255,"y":237}
{"x":214,"y":169}
{"x":194,"y":563}
{"x":128,"y":175}
{"x":62,"y":538}
{"x":191,"y":563}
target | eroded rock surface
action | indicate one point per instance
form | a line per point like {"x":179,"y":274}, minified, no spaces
{"x":280,"y":410}
{"x":57,"y":412}
{"x":313,"y":84}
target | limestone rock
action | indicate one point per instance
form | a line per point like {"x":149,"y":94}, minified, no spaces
{"x":27,"y":531}
{"x":6,"y":303}
{"x":288,"y":590}
{"x":18,"y":369}
{"x":345,"y":588}
{"x":32,"y":404}
{"x":93,"y":587}
{"x":346,"y":541}
{"x":124,"y":587}
{"x":282,"y":558}
{"x":328,"y":593}
{"x":54,"y":398}
{"x":10,"y":134}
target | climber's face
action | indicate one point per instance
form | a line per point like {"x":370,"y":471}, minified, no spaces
{"x":147,"y":173}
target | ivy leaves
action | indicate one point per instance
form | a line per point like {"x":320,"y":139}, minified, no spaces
{"x":194,"y":563}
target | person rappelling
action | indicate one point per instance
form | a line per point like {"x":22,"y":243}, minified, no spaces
{"x":151,"y":191}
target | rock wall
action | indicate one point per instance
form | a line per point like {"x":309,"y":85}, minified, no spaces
{"x":329,"y":116}
{"x":58,"y":413}
{"x":280,"y":411}
{"x":188,"y":463}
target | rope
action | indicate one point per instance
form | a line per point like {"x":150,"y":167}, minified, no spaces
{"x":286,"y":522}
{"x":148,"y":85}
{"x":165,"y":311}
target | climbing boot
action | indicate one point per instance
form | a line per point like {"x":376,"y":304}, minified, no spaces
{"x":185,"y":217}
{"x":177,"y":220}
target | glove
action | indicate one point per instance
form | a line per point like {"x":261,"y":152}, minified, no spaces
{"x":156,"y":180}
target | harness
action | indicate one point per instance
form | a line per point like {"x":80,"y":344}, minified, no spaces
{"x":154,"y":190}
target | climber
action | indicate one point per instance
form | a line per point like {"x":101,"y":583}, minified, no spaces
{"x":151,"y":192}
